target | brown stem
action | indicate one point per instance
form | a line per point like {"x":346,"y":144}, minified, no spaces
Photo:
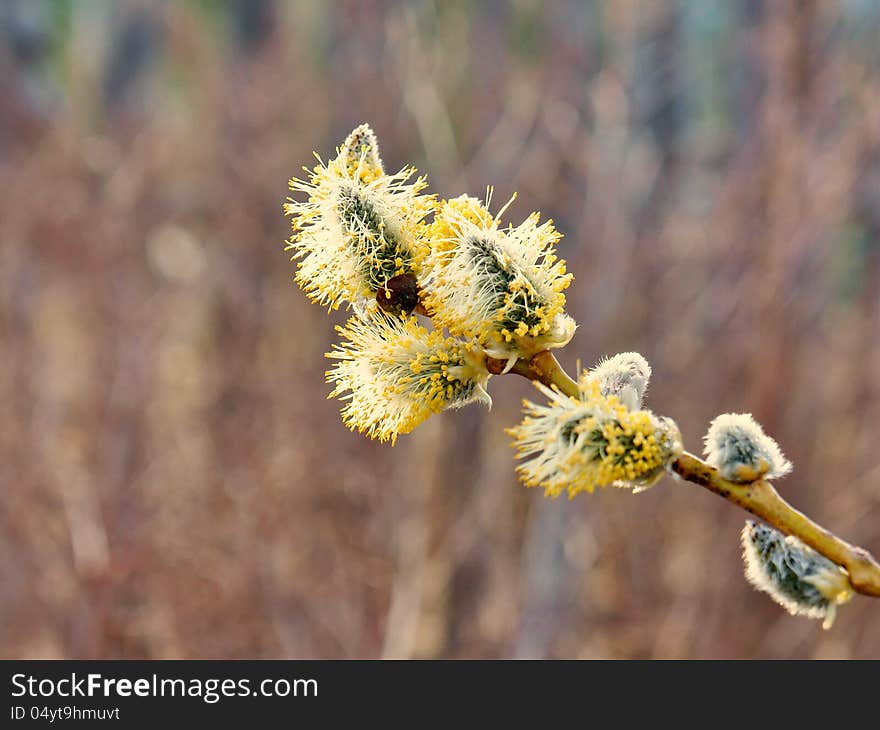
{"x":762,"y":500}
{"x":543,"y":367}
{"x":759,"y":498}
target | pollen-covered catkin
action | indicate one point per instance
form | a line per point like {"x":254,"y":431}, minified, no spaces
{"x":793,"y":574}
{"x":500,"y":287}
{"x":358,"y":227}
{"x":577,"y":444}
{"x":737,"y":446}
{"x":393,"y":374}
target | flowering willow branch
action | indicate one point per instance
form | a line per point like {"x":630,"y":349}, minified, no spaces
{"x":494,"y":295}
{"x":758,"y":497}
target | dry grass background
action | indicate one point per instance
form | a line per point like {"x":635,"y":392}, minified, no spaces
{"x":173,"y":481}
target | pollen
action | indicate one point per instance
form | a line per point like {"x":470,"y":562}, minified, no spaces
{"x":393,"y":374}
{"x":502,"y":287}
{"x":358,"y":226}
{"x":574,"y":445}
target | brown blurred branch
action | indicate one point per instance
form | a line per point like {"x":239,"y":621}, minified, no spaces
{"x":759,"y":498}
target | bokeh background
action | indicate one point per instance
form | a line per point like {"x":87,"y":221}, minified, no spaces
{"x":173,"y":482}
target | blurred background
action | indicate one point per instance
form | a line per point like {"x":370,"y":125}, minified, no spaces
{"x":173,"y":481}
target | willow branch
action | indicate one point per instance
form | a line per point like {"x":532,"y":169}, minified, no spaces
{"x":543,"y":367}
{"x":759,"y":498}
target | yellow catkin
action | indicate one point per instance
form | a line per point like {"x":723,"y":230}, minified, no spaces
{"x":394,"y":374}
{"x":500,"y":287}
{"x":574,"y":445}
{"x":358,"y":226}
